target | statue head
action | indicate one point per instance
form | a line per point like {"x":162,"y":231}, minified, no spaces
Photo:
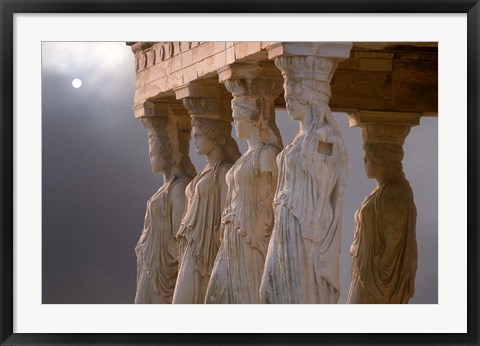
{"x":246,"y":115}
{"x":307,"y":85}
{"x":160,"y":151}
{"x":253,"y":108}
{"x":163,"y":144}
{"x":209,"y":134}
{"x":383,"y":150}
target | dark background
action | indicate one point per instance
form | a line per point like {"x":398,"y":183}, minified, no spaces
{"x":96,"y":179}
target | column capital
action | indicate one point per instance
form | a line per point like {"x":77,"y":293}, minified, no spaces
{"x":336,"y":50}
{"x":164,"y":108}
{"x":252,"y":79}
{"x":384,"y":128}
{"x":361,"y":118}
{"x":207,"y":100}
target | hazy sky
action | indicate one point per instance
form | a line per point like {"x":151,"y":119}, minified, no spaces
{"x":97,"y":178}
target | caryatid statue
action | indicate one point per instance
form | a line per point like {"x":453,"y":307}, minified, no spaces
{"x":198,"y":236}
{"x":248,"y":215}
{"x":302,"y":264}
{"x":156,"y":250}
{"x":384,"y":249}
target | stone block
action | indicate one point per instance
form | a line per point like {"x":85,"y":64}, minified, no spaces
{"x":219,"y":60}
{"x":230,"y":55}
{"x":206,"y":50}
{"x":244,"y":49}
{"x":339,"y":50}
{"x":187,"y":59}
{"x":176,"y":63}
{"x":189,"y":74}
{"x":185,"y":46}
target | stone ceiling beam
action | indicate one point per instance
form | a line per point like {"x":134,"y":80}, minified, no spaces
{"x":376,"y":76}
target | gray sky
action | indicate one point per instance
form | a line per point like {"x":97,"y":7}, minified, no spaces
{"x":97,"y":178}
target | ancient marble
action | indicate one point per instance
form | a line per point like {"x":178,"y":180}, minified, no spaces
{"x":198,"y":236}
{"x":302,"y":264}
{"x":156,"y":250}
{"x":247,"y":219}
{"x":384,"y":250}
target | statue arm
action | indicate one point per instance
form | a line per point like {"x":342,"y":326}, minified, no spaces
{"x":177,"y":200}
{"x":265,"y":187}
{"x":223,"y":185}
{"x":268,"y":160}
{"x":223,"y":195}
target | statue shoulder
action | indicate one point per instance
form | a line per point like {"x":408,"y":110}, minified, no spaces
{"x":396,"y":199}
{"x":223,"y":168}
{"x":397,"y":191}
{"x":267,"y":158}
{"x":178,"y":187}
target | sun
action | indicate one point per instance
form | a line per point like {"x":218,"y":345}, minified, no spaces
{"x":77,"y":83}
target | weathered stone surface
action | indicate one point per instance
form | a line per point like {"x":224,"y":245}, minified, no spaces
{"x":247,"y":219}
{"x":198,"y":237}
{"x":384,"y":249}
{"x":302,"y":264}
{"x":163,"y":66}
{"x":156,"y":250}
{"x":386,"y":86}
{"x":206,"y":99}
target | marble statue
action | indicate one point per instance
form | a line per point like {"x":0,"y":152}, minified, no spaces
{"x":302,"y":264}
{"x":198,"y":237}
{"x":248,"y":215}
{"x":157,"y":250}
{"x":384,"y":249}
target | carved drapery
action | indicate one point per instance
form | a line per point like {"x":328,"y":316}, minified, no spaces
{"x":156,"y":249}
{"x":198,"y":237}
{"x":302,"y":264}
{"x":384,"y":249}
{"x":247,"y":219}
{"x":386,"y":76}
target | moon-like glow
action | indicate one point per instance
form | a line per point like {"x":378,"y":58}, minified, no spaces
{"x":76,"y":83}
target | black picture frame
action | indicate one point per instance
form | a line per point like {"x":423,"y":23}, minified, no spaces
{"x":9,"y":7}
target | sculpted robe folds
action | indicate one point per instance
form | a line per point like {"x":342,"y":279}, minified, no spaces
{"x":199,"y":233}
{"x":157,"y":249}
{"x":248,"y":222}
{"x":302,"y":264}
{"x":384,"y":249}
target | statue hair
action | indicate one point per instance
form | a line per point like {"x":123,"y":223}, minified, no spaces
{"x":220,"y":133}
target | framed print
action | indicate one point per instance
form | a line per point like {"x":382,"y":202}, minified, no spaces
{"x":102,"y":101}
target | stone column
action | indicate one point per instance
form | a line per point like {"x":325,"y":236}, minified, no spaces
{"x":200,"y":229}
{"x":384,"y":249}
{"x":254,"y":87}
{"x":248,"y":214}
{"x":168,"y":116}
{"x":156,"y":251}
{"x":302,"y":264}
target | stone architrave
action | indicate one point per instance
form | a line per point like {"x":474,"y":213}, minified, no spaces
{"x":247,"y":219}
{"x":156,"y":250}
{"x":302,"y":264}
{"x":384,"y":249}
{"x":198,"y":236}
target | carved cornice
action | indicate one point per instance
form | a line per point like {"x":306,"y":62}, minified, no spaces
{"x":147,"y":54}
